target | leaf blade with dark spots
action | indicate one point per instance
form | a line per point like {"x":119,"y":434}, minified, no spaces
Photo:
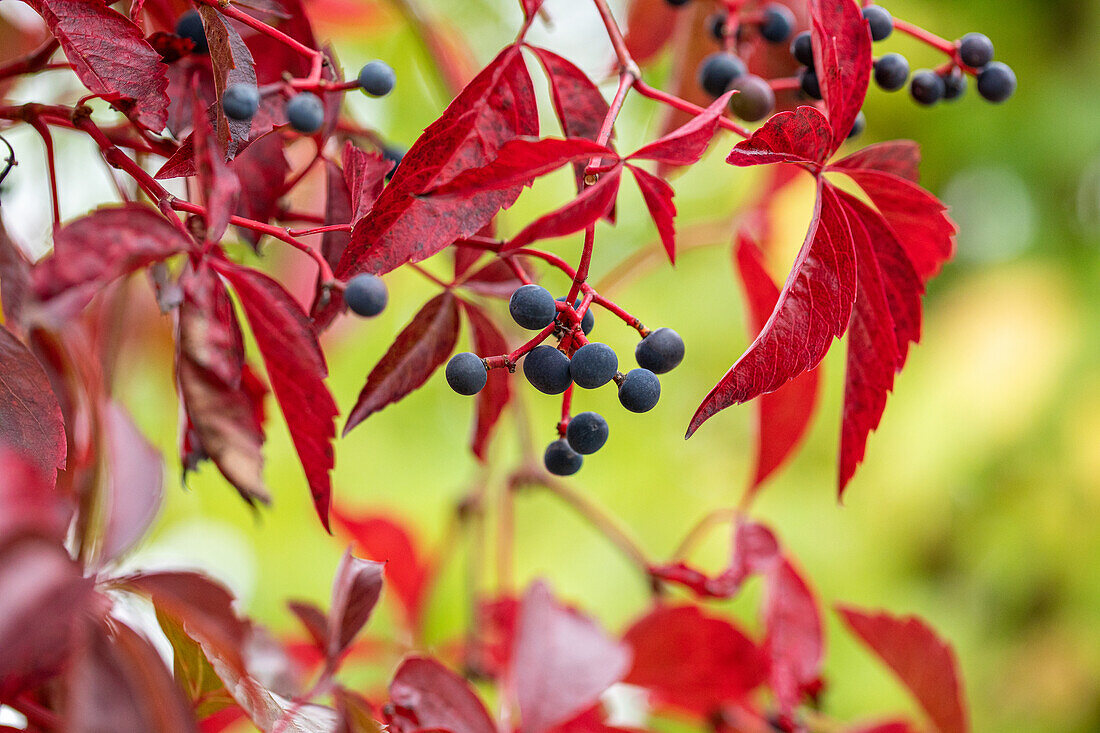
{"x":520,"y":161}
{"x":233,"y":64}
{"x":842,"y":57}
{"x":801,"y":135}
{"x":31,"y":424}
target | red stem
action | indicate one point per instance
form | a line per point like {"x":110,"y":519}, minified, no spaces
{"x":685,"y":106}
{"x":627,"y":65}
{"x":924,"y":36}
{"x":51,"y":168}
{"x":33,"y":61}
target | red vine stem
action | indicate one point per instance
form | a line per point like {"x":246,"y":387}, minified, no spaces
{"x":926,"y":37}
{"x":685,"y":106}
{"x":43,"y":131}
{"x":34,"y":61}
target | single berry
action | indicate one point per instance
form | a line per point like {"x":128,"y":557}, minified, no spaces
{"x":927,"y":87}
{"x":778,"y":23}
{"x":593,"y":365}
{"x":881,"y":22}
{"x":661,"y":351}
{"x":393,"y":154}
{"x":366,"y":295}
{"x":718,"y":71}
{"x":466,"y":373}
{"x":717,"y":25}
{"x":858,"y":125}
{"x":241,"y":101}
{"x":996,"y":82}
{"x":754,"y":100}
{"x":810,"y":85}
{"x":891,"y":72}
{"x":588,"y":320}
{"x":561,"y":460}
{"x":532,"y":306}
{"x":377,"y":79}
{"x":802,"y":48}
{"x":305,"y":112}
{"x":189,"y":26}
{"x":587,"y":432}
{"x":975,"y":49}
{"x":640,"y":390}
{"x":547,"y":369}
{"x":954,"y":83}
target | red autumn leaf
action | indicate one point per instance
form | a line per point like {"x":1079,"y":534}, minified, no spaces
{"x":296,"y":368}
{"x":561,"y":663}
{"x":890,"y":726}
{"x":793,"y":635}
{"x":587,"y":208}
{"x":110,"y":55}
{"x":497,"y":106}
{"x":135,"y":488}
{"x":98,"y":248}
{"x":31,"y":502}
{"x":215,"y":387}
{"x":686,"y":144}
{"x":31,"y":425}
{"x":219,"y":184}
{"x":924,"y":663}
{"x":420,"y":348}
{"x":530,"y":7}
{"x":355,"y":592}
{"x":338,"y":210}
{"x":408,"y":574}
{"x":800,"y":135}
{"x":783,"y":416}
{"x":314,"y":621}
{"x":649,"y":26}
{"x":658,"y":199}
{"x":262,"y":169}
{"x":842,"y":58}
{"x":521,"y":161}
{"x":426,"y":696}
{"x":232,"y":63}
{"x":591,"y":720}
{"x":15,"y":279}
{"x":815,"y":303}
{"x":691,"y":661}
{"x":365,"y":174}
{"x":497,"y":392}
{"x":898,"y":157}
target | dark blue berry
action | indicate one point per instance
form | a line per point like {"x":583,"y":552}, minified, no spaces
{"x":547,"y":369}
{"x":996,"y":82}
{"x":975,"y":49}
{"x":810,"y":85}
{"x":593,"y":365}
{"x":241,"y":101}
{"x":778,"y":23}
{"x":305,"y":112}
{"x":561,"y":460}
{"x":366,"y":295}
{"x":754,"y":100}
{"x":394,"y":154}
{"x":802,"y":48}
{"x":718,"y":71}
{"x":466,"y":373}
{"x":927,"y":87}
{"x":859,"y":124}
{"x":377,"y":79}
{"x":588,"y":321}
{"x":954,"y":83}
{"x":587,"y":432}
{"x":532,"y":306}
{"x":640,"y":390}
{"x":189,"y":26}
{"x":891,"y":72}
{"x":881,"y":22}
{"x":661,"y":351}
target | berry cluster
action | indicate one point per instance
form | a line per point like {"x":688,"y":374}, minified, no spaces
{"x":575,"y":361}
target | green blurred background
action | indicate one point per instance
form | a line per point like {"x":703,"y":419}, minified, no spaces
{"x":979,"y":502}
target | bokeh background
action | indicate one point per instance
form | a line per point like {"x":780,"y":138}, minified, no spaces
{"x":979,"y":502}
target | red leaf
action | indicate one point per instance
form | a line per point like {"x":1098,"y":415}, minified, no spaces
{"x":917,"y":217}
{"x":691,"y":661}
{"x":923,"y":662}
{"x":658,"y":199}
{"x":899,"y":157}
{"x":110,"y":55}
{"x":562,"y":661}
{"x":793,"y":633}
{"x":210,"y":372}
{"x":261,"y":169}
{"x":338,"y":210}
{"x":219,"y":184}
{"x":521,"y":161}
{"x":685,"y":145}
{"x":355,"y":591}
{"x":585,"y":209}
{"x":31,"y":424}
{"x":296,"y":368}
{"x":31,"y":502}
{"x":496,"y":279}
{"x":15,"y":279}
{"x":420,"y":348}
{"x":314,"y":621}
{"x":365,"y":174}
{"x":530,"y":7}
{"x":497,"y":392}
{"x":497,"y":106}
{"x":813,"y":308}
{"x":800,"y":135}
{"x":649,"y":26}
{"x":784,"y":415}
{"x":842,"y":57}
{"x":429,"y":696}
{"x":232,"y":64}
{"x":99,"y":248}
{"x":890,"y":726}
{"x":407,"y":573}
{"x":135,"y":487}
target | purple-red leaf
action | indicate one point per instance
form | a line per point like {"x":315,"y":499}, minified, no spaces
{"x":428,"y":696}
{"x":296,"y":368}
{"x":923,"y":662}
{"x":232,"y":63}
{"x":585,"y":209}
{"x":497,"y":392}
{"x":522,"y":160}
{"x":561,"y":663}
{"x":801,"y":135}
{"x":135,"y":487}
{"x":15,"y":279}
{"x":420,"y":348}
{"x":813,"y":308}
{"x":658,"y":199}
{"x":219,"y":184}
{"x":314,"y":621}
{"x":31,"y":425}
{"x":793,"y":639}
{"x":686,"y":144}
{"x":355,"y":591}
{"x":497,"y":106}
{"x":365,"y":174}
{"x":261,"y":169}
{"x":842,"y":58}
{"x":899,"y":157}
